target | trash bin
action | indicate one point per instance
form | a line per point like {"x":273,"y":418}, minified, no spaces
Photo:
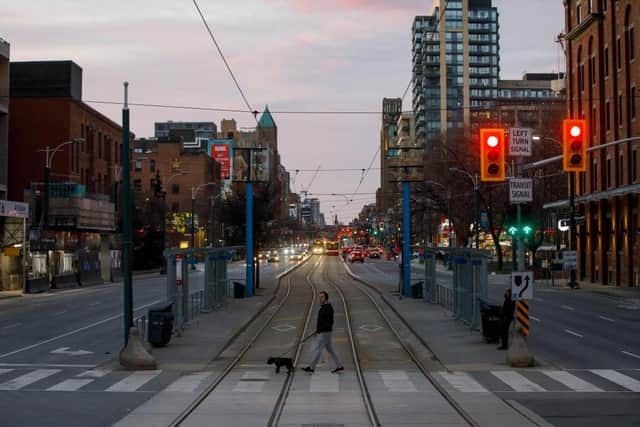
{"x":416,"y":290}
{"x":238,"y":290}
{"x":491,"y":322}
{"x":160,"y":325}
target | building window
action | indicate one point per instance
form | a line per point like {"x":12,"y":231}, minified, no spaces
{"x":175,"y":207}
{"x":137,"y":185}
{"x":606,"y":62}
{"x":175,"y":188}
{"x":152,"y":165}
{"x":634,"y":165}
{"x":590,"y":6}
{"x":152,"y":185}
{"x":632,"y":102}
{"x":592,"y":122}
{"x":579,"y":14}
{"x":620,"y":110}
{"x":603,"y":5}
{"x":608,"y":115}
{"x":99,"y":145}
{"x":619,"y":54}
{"x":620,"y":171}
{"x":608,"y":173}
{"x":631,"y":43}
{"x":138,"y":165}
{"x":592,"y":71}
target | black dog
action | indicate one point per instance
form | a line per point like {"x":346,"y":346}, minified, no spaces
{"x":280,"y":362}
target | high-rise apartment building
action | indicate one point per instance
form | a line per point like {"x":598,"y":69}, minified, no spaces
{"x":391,"y":111}
{"x":4,"y":117}
{"x":455,"y":66}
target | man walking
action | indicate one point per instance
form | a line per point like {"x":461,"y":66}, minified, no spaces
{"x":506,"y":316}
{"x":324,"y":327}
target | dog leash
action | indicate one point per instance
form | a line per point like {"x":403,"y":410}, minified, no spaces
{"x":304,"y":340}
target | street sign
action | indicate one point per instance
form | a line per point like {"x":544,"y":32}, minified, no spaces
{"x":14,"y":209}
{"x":520,"y":190}
{"x":484,"y":219}
{"x":521,"y":285}
{"x":520,"y":142}
{"x":570,"y":260}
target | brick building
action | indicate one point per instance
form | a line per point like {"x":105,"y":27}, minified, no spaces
{"x":603,"y":70}
{"x":179,"y":170}
{"x":46,"y":110}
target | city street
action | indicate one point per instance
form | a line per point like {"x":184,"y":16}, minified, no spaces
{"x":54,"y":343}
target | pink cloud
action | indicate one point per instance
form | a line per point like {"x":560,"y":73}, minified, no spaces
{"x":309,"y":6}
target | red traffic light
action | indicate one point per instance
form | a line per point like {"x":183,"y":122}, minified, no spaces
{"x":492,"y":155}
{"x":574,"y":145}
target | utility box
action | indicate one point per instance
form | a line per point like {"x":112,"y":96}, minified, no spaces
{"x":160,"y":325}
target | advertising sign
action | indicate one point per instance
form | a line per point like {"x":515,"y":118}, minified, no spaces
{"x":14,"y":209}
{"x":222,"y":151}
{"x":250,"y":165}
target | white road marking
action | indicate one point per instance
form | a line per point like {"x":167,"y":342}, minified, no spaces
{"x":60,"y":313}
{"x":95,"y":373}
{"x":11,"y":326}
{"x":75,"y":331}
{"x":397,"y":382}
{"x":5,"y":371}
{"x":534,"y":318}
{"x":26,"y":379}
{"x":517,"y":382}
{"x":93,"y":304}
{"x":571,"y":381}
{"x":566,"y":307}
{"x":251,"y":382}
{"x":46,"y":365}
{"x":575,"y":334}
{"x":188,"y":383}
{"x":134,"y":381}
{"x":463,"y":382}
{"x":324,"y":382}
{"x":538,"y":299}
{"x":67,"y":352}
{"x":630,"y":354}
{"x":618,"y":378}
{"x":70,"y":385}
{"x":608,"y":319}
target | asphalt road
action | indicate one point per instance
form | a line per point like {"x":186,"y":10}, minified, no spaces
{"x":59,"y":335}
{"x":572,"y":331}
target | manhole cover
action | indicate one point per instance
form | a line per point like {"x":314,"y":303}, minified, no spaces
{"x":283,"y":328}
{"x":370,"y":328}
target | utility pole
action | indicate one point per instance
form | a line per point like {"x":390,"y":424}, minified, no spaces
{"x":572,"y":224}
{"x":127,"y":256}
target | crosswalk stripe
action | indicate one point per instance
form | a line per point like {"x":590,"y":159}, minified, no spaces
{"x":188,"y":383}
{"x":397,"y":381}
{"x":517,"y":382}
{"x":571,"y":381}
{"x":95,"y":373}
{"x":5,"y":371}
{"x":251,"y":382}
{"x":134,"y":381}
{"x":463,"y":382}
{"x":70,"y":385}
{"x":618,"y":378}
{"x":27,"y":379}
{"x":324,"y":382}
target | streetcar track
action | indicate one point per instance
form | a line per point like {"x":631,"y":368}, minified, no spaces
{"x":183,"y":416}
{"x":405,"y":347}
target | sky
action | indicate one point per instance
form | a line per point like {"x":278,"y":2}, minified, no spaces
{"x":293,"y":55}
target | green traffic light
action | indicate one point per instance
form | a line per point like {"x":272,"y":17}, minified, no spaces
{"x":527,"y":230}
{"x":513,"y":230}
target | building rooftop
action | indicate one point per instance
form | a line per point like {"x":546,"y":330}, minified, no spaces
{"x":266,"y":121}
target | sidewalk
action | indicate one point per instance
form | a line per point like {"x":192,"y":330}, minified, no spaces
{"x":204,"y":340}
{"x":456,"y":347}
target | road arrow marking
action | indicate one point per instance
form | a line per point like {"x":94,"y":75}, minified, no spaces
{"x":67,"y":352}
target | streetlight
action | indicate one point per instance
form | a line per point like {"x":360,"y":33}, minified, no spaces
{"x":194,"y":192}
{"x":476,"y":202}
{"x":49,"y":153}
{"x":164,"y":218}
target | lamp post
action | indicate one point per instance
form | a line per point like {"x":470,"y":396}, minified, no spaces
{"x":49,"y":153}
{"x":194,"y":192}
{"x":476,"y":202}
{"x":163,"y":267}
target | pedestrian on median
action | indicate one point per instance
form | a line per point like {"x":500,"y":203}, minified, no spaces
{"x":324,"y":327}
{"x":506,"y":316}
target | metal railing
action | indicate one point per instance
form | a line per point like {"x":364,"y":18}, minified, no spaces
{"x":468,"y":285}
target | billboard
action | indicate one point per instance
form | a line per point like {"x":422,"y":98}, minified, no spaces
{"x":222,"y":151}
{"x":250,"y":165}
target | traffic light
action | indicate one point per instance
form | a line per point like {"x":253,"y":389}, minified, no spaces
{"x":492,"y":153}
{"x":574,"y":145}
{"x":513,"y":231}
{"x":527,"y":230}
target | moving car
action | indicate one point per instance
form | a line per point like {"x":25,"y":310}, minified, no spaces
{"x":373,"y":253}
{"x":273,"y":256}
{"x":357,"y":254}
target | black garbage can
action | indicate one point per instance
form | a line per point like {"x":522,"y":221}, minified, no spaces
{"x":416,"y":290}
{"x":238,"y":290}
{"x":491,"y":322}
{"x":160,"y":325}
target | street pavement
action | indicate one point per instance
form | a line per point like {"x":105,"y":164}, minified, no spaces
{"x":58,"y":349}
{"x":586,"y":343}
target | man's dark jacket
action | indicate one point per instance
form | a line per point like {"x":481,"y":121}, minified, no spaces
{"x":325,"y":318}
{"x":508,"y":309}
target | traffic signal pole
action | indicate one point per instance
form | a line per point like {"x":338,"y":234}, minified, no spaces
{"x":572,"y":224}
{"x":127,"y":256}
{"x":519,"y":237}
{"x":406,"y":240}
